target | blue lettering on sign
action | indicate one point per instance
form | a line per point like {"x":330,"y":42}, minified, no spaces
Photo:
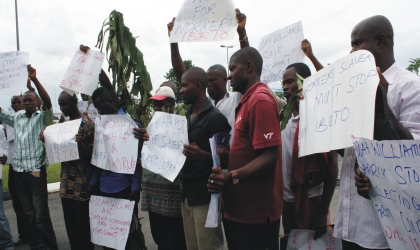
{"x":410,"y":225}
{"x":383,"y":211}
{"x":407,"y":175}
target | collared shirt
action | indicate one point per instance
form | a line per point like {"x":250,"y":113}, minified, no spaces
{"x":75,"y":175}
{"x":287,"y":141}
{"x":356,"y":219}
{"x":256,"y":127}
{"x":196,"y":172}
{"x":111,"y":182}
{"x":227,"y":107}
{"x":29,"y":152}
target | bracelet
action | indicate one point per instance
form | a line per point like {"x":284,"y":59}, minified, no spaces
{"x":245,"y":39}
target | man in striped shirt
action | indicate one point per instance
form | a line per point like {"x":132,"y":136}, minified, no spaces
{"x":29,"y":163}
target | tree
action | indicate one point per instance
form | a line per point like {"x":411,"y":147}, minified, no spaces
{"x":170,"y":76}
{"x":414,"y":66}
{"x":126,"y":62}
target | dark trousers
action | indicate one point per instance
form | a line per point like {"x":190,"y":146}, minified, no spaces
{"x":17,"y":205}
{"x":347,"y":245}
{"x":123,"y":194}
{"x":242,"y":236}
{"x":33,"y":195}
{"x":76,"y":218}
{"x":167,"y":232}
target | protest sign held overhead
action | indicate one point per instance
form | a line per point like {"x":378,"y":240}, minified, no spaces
{"x":205,"y":21}
{"x":280,"y":49}
{"x":339,"y":102}
{"x":82,"y":75}
{"x":394,"y":172}
{"x":60,"y":141}
{"x":13,"y":72}
{"x":110,"y":221}
{"x":162,"y":154}
{"x":115,"y":148}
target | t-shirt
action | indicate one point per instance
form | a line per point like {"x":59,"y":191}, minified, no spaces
{"x":196,"y":172}
{"x":256,"y":127}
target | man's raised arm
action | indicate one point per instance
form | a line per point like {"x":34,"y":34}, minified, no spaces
{"x":46,"y":100}
{"x":307,"y":49}
{"x":177,"y":63}
{"x":243,"y":38}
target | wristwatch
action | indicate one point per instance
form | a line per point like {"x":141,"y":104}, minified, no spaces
{"x":245,"y":39}
{"x":235,"y":177}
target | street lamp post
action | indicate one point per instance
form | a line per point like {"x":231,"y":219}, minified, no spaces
{"x":17,"y":26}
{"x":227,"y":60}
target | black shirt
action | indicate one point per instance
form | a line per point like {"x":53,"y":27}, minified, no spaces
{"x":196,"y":172}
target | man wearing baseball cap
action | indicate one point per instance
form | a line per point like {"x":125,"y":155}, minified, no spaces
{"x":160,"y":197}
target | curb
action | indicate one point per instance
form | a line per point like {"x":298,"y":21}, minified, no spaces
{"x":51,"y":187}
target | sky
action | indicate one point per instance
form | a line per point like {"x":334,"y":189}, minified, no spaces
{"x":53,"y":30}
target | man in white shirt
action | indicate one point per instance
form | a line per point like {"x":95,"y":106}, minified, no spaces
{"x":356,"y":221}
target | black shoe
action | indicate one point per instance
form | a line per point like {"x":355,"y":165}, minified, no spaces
{"x":20,"y":242}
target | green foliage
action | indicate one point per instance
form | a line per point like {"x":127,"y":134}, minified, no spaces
{"x":280,"y":95}
{"x":125,"y":61}
{"x":170,"y":76}
{"x":291,"y":104}
{"x":414,"y":66}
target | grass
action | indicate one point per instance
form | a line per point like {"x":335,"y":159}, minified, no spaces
{"x":53,"y":174}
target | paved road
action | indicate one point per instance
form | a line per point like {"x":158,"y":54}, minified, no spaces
{"x":58,"y":221}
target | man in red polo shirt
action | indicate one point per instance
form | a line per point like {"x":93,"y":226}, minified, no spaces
{"x":253,"y":186}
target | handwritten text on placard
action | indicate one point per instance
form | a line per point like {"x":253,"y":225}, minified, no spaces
{"x":205,"y":21}
{"x":280,"y":49}
{"x":162,"y":154}
{"x":394,"y":171}
{"x":300,"y":239}
{"x":115,"y":148}
{"x":339,"y":103}
{"x":60,"y":141}
{"x":82,"y":75}
{"x":13,"y":72}
{"x":110,"y":221}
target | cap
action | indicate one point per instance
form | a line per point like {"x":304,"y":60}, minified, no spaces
{"x":162,"y":93}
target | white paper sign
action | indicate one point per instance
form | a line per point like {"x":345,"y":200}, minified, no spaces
{"x":300,"y":239}
{"x":115,"y":148}
{"x":339,"y":102}
{"x":92,"y":112}
{"x":110,"y":221}
{"x":82,"y":75}
{"x":13,"y":72}
{"x":162,"y":154}
{"x":280,"y":49}
{"x":10,"y":131}
{"x":83,"y":106}
{"x":393,"y":168}
{"x":205,"y":21}
{"x":60,"y":141}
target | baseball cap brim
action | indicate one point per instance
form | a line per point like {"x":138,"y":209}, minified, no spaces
{"x":158,"y":97}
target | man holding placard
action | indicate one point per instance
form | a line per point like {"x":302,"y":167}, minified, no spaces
{"x":75,"y":176}
{"x":357,"y":222}
{"x":30,"y":176}
{"x":161,"y":198}
{"x":113,"y":184}
{"x":253,"y":186}
{"x":309,"y":181}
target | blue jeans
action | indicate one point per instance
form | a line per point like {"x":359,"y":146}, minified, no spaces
{"x":33,"y":195}
{"x":6,"y":241}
